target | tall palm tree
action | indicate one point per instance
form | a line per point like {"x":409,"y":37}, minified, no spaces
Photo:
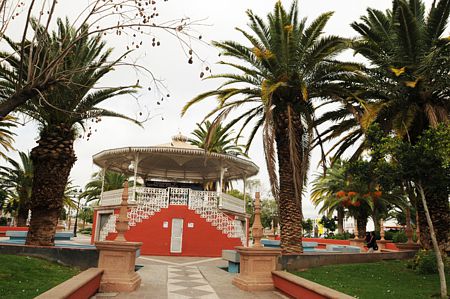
{"x":111,"y":181}
{"x":405,"y":89}
{"x":61,"y":112}
{"x":17,"y":181}
{"x":216,"y":139}
{"x":286,"y":65}
{"x":6,"y":135}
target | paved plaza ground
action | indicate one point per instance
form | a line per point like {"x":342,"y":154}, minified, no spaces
{"x":186,"y":277}
{"x":171,"y":277}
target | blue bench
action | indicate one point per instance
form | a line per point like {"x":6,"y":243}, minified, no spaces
{"x":343,"y":248}
{"x":307,"y":246}
{"x":233,"y":258}
{"x":21,"y":235}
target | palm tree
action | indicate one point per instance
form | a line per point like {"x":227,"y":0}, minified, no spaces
{"x":61,"y":112}
{"x":6,"y":136}
{"x":216,"y":139}
{"x":287,"y":65}
{"x":111,"y":181}
{"x":17,"y":181}
{"x":405,"y":89}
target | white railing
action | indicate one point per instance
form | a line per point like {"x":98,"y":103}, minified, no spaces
{"x":204,"y":203}
{"x":232,"y":203}
{"x":114,"y":197}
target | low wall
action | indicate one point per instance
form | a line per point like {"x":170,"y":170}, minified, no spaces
{"x":82,"y":286}
{"x":4,"y":229}
{"x":82,"y":258}
{"x":310,"y":260}
{"x":298,"y":287}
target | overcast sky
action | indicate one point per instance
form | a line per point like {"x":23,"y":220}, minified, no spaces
{"x":168,"y":62}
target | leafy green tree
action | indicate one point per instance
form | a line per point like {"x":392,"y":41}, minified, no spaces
{"x":269,"y":213}
{"x":61,"y":112}
{"x":308,"y":226}
{"x":328,"y":223}
{"x":427,"y":165}
{"x":285,"y":66}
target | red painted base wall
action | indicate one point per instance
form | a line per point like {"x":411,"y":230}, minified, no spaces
{"x":202,"y":239}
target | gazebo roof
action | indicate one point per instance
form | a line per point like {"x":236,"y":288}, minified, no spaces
{"x":177,"y":160}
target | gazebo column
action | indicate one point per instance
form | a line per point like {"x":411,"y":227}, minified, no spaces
{"x":220,"y":186}
{"x":136,"y":165}
{"x":244,"y":180}
{"x":103,"y":183}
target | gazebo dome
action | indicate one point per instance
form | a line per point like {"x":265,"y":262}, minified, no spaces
{"x":176,"y":160}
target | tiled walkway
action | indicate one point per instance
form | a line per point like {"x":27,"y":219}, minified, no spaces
{"x":186,"y":277}
{"x":188,"y":282}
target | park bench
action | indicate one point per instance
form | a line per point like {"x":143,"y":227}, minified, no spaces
{"x":233,"y":258}
{"x":343,"y":248}
{"x":22,"y":235}
{"x":307,"y":246}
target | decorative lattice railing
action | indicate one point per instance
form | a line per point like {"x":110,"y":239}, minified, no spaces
{"x":204,"y":203}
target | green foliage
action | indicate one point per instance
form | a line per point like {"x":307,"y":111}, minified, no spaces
{"x":328,"y":223}
{"x":424,"y":262}
{"x":343,"y":236}
{"x":3,"y":221}
{"x":399,"y":237}
{"x":86,"y":231}
{"x":112,"y":181}
{"x":216,"y":139}
{"x":269,"y":213}
{"x":6,"y":135}
{"x":308,"y":226}
{"x":87,"y":214}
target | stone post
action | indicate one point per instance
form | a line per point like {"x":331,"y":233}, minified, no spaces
{"x":118,"y":257}
{"x":355,"y":223}
{"x":382,"y":229}
{"x":257,"y":262}
{"x":257,"y":228}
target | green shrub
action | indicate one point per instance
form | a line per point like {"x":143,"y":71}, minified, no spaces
{"x":3,"y":221}
{"x":344,"y":236}
{"x":425,"y":262}
{"x":399,"y":237}
{"x":86,"y":231}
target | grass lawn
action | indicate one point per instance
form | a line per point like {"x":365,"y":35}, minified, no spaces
{"x":388,"y":279}
{"x":26,"y":277}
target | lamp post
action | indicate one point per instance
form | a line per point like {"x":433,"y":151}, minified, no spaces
{"x":76,"y":215}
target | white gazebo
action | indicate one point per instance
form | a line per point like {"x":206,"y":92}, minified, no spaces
{"x":174,"y":173}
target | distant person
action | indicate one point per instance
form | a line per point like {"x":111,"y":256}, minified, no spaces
{"x":371,"y":242}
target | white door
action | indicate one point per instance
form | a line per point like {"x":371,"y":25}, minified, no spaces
{"x":177,"y":235}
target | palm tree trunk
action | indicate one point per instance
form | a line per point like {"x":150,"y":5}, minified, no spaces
{"x":53,"y":159}
{"x":362,"y":223}
{"x":376,"y":220}
{"x":22,"y":216}
{"x":340,"y":215}
{"x":437,"y":201}
{"x":289,"y":202}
